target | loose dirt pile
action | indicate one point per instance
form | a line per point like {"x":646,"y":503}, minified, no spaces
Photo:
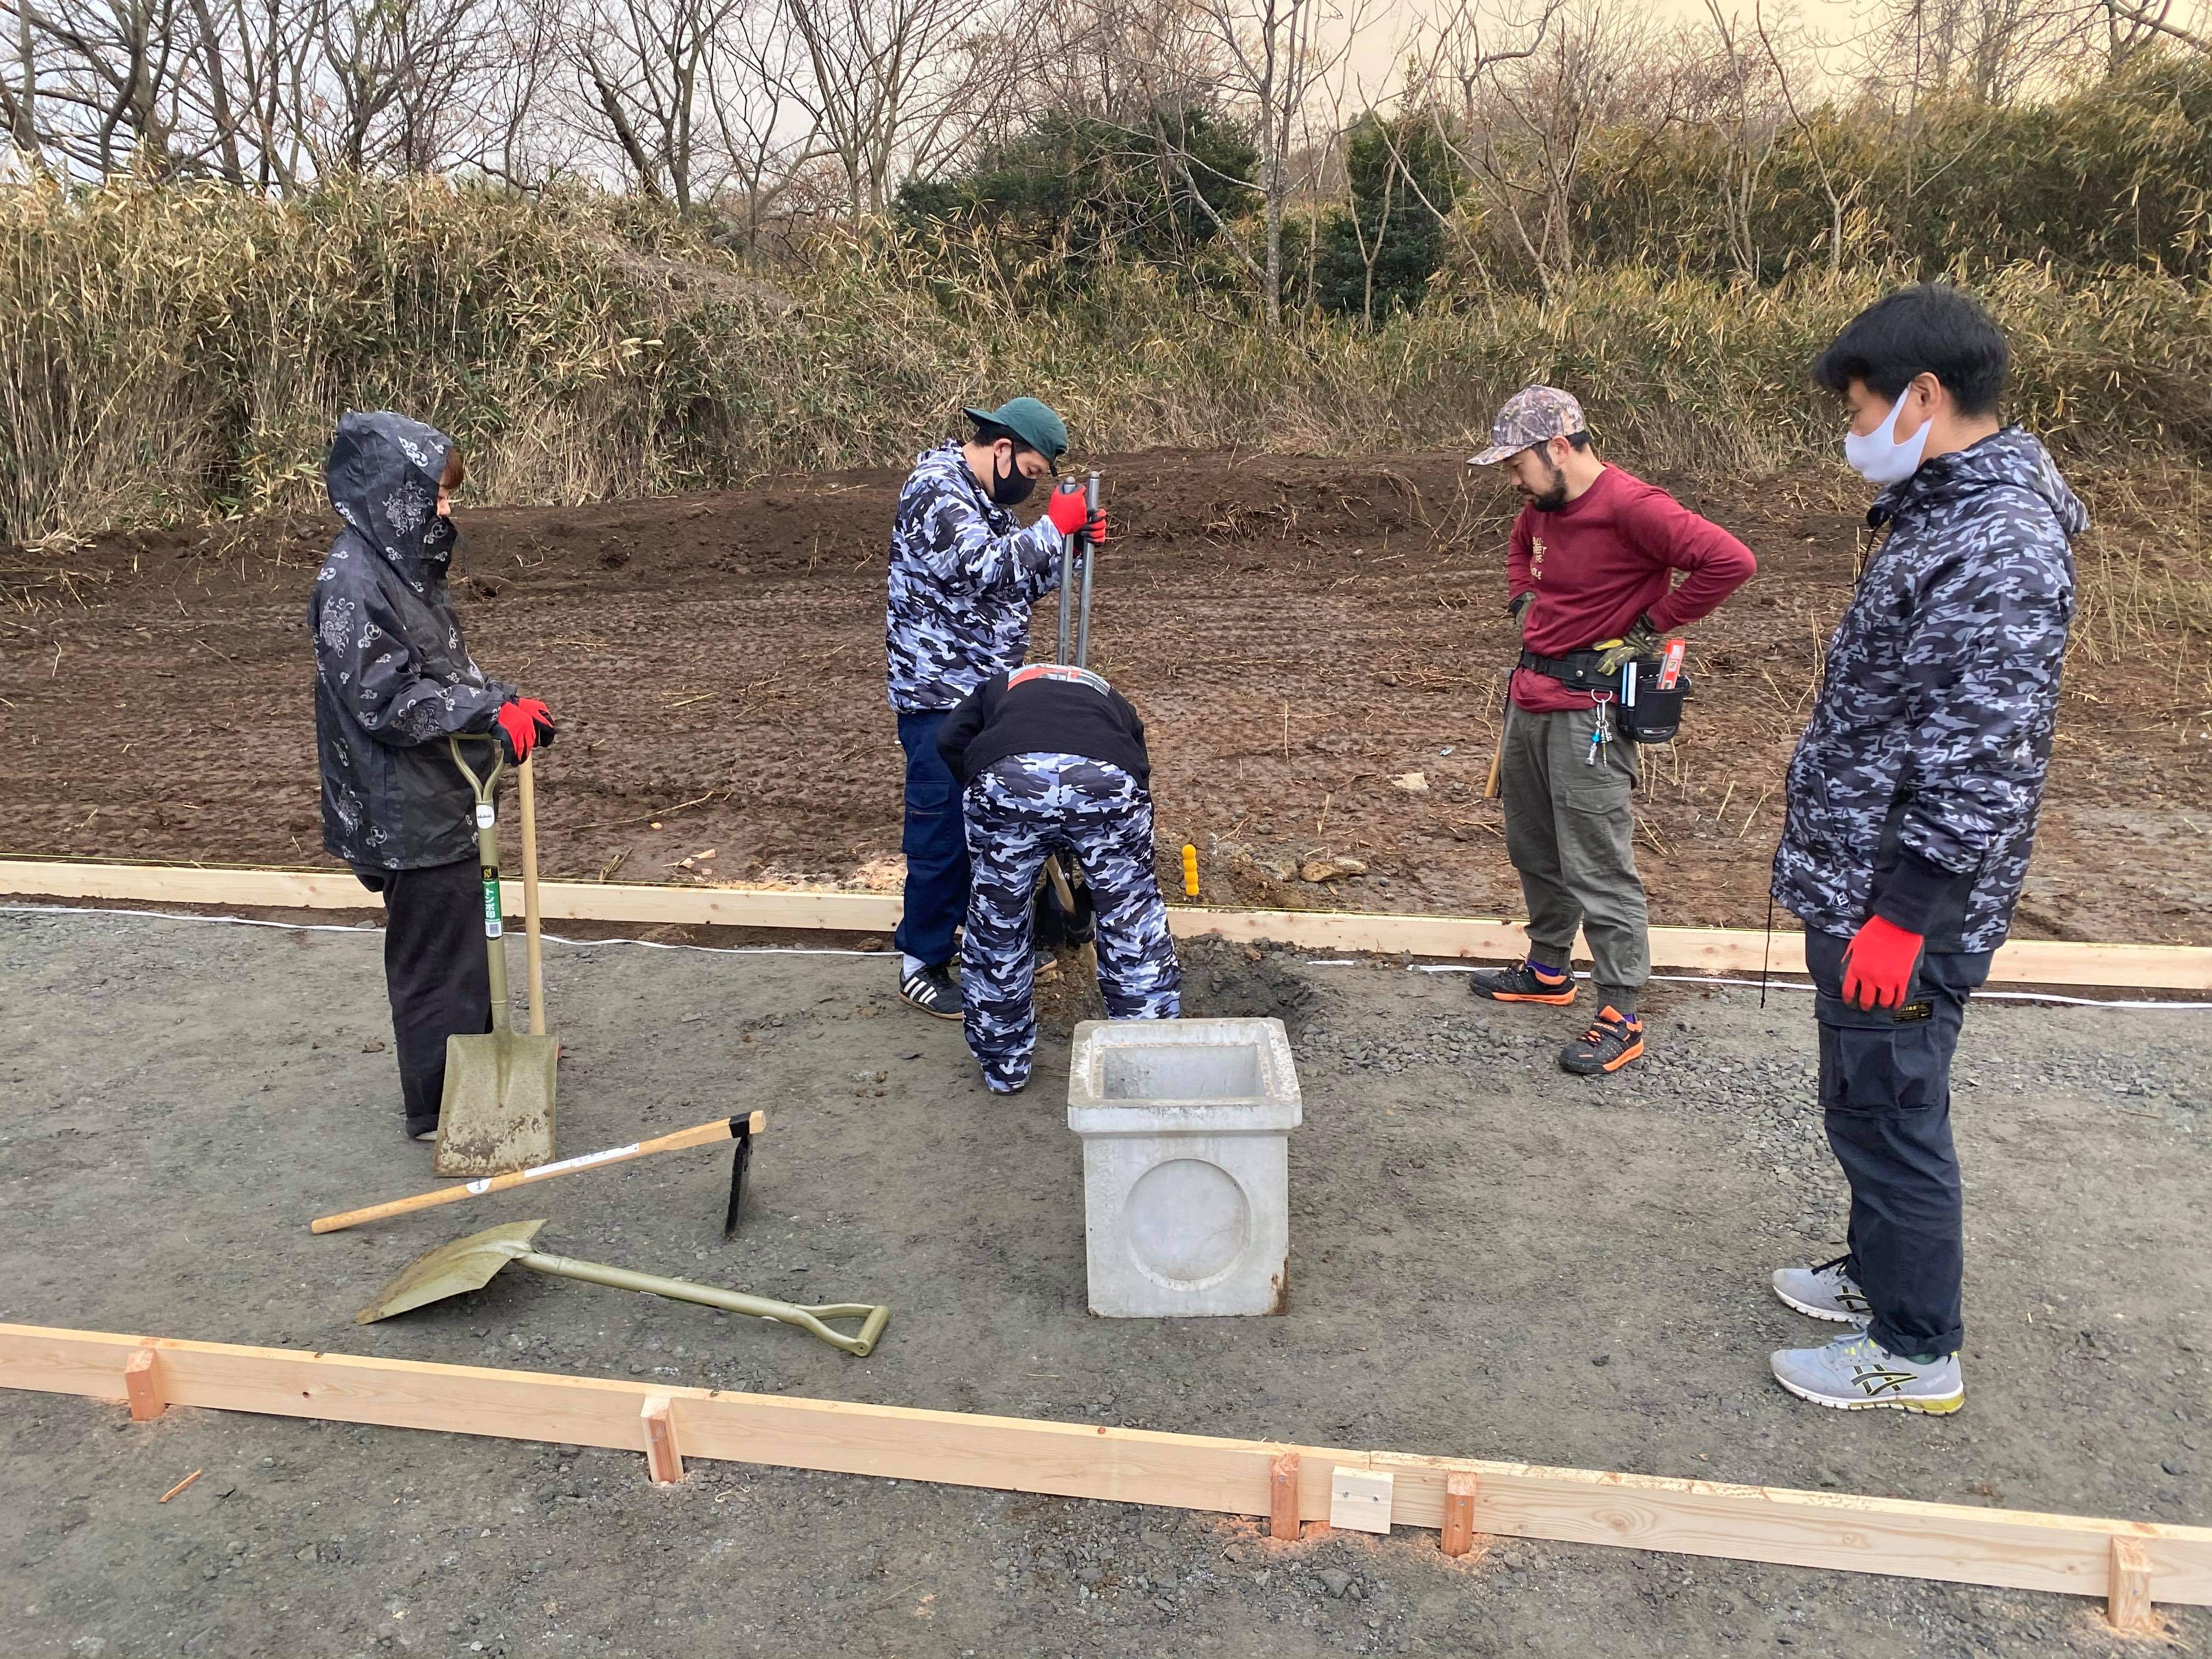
{"x":1302,"y":637}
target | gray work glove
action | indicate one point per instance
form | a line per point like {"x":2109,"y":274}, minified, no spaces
{"x":1518,"y":607}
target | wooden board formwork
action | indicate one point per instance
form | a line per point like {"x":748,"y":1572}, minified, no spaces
{"x":2070,"y":1554}
{"x":1703,"y":950}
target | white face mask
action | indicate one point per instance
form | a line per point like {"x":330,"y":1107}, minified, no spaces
{"x":1878,"y":457}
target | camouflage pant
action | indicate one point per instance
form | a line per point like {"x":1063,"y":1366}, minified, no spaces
{"x":1019,"y":810}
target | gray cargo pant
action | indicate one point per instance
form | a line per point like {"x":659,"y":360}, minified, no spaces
{"x":1571,"y":832}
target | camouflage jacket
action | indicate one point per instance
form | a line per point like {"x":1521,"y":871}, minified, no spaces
{"x":392,"y":675}
{"x":1914,"y":790}
{"x":964,"y":575}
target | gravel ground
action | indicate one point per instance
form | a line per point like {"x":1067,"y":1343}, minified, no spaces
{"x":1491,"y":1259}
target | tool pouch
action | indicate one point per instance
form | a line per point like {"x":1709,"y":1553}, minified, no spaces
{"x":1645,"y":712}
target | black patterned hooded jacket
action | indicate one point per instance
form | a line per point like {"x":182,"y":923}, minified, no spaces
{"x":964,"y":575}
{"x":1914,"y":791}
{"x":392,"y":675}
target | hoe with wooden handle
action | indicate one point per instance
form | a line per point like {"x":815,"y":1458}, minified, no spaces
{"x":468,"y":1264}
{"x":739,"y":1129}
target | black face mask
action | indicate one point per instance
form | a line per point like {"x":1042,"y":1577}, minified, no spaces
{"x":1010,"y":488}
{"x":439,"y":539}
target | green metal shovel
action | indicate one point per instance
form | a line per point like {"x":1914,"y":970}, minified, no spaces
{"x":496,"y":1114}
{"x":468,"y":1264}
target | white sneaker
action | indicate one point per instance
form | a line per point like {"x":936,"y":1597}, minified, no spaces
{"x":1856,"y":1373}
{"x":1825,"y":1292}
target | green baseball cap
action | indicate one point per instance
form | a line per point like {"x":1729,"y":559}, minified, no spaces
{"x":1030,"y":421}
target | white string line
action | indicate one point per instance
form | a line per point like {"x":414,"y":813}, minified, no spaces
{"x":1795,"y":985}
{"x":377,"y":932}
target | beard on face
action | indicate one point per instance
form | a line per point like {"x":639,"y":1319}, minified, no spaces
{"x":1553,"y":496}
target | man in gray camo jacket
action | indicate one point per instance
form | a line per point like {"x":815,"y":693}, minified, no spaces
{"x":964,"y":575}
{"x":1910,"y":811}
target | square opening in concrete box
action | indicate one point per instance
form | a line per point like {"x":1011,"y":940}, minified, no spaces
{"x":1185,"y":1164}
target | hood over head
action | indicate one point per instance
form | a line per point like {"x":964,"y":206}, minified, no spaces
{"x":2012,"y":457}
{"x":383,"y":476}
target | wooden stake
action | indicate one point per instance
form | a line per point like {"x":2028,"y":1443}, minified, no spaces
{"x":142,"y":1388}
{"x":1707,"y":950}
{"x":1283,"y":1498}
{"x":2127,"y":1604}
{"x":663,"y":1462}
{"x":1831,"y":1531}
{"x":179,"y":1486}
{"x":1459,"y":1514}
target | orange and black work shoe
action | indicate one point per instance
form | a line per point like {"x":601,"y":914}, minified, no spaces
{"x":1524,"y":982}
{"x":1613,"y":1039}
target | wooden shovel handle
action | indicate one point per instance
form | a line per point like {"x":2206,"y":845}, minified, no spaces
{"x":534,"y":951}
{"x":699,"y":1136}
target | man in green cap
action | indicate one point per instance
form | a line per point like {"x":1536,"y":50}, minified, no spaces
{"x":964,"y":575}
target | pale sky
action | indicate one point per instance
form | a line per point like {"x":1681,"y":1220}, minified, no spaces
{"x":1373,"y":65}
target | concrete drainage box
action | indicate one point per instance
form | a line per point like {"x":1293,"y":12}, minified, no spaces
{"x":1185,"y":1164}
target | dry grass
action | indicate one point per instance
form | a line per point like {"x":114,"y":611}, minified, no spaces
{"x":169,"y":355}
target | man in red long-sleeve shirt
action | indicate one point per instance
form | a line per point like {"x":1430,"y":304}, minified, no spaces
{"x":1592,"y":566}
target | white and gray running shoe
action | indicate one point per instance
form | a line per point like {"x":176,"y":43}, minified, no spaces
{"x":1856,"y":1373}
{"x":1825,"y":1292}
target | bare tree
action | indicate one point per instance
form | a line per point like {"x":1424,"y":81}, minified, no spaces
{"x":895,"y":88}
{"x":1273,"y":57}
{"x":642,"y":62}
{"x":110,"y":90}
{"x":1744,"y":116}
{"x":767,"y":138}
{"x":1519,"y":96}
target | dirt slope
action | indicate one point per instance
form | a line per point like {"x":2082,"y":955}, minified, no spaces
{"x":1297,"y":633}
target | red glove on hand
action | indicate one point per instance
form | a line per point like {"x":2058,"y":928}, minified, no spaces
{"x":518,"y":730}
{"x":1878,"y":964}
{"x":540,"y":716}
{"x":1067,"y":512}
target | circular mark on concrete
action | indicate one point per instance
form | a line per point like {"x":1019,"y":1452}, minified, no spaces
{"x":1188,"y":1222}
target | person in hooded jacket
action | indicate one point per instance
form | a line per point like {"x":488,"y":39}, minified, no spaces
{"x":964,"y":574}
{"x":1909,"y":810}
{"x":393,"y":682}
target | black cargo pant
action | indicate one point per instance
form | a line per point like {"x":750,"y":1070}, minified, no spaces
{"x":435,"y":972}
{"x":1886,"y":1095}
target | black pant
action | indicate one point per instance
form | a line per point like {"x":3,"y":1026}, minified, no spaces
{"x":435,"y":972}
{"x":1885,"y":1093}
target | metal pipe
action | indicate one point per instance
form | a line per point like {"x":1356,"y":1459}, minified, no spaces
{"x":1083,"y":624}
{"x":1067,"y":572}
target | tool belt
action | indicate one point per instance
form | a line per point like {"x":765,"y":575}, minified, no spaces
{"x":1642,"y":712}
{"x":1576,"y":670}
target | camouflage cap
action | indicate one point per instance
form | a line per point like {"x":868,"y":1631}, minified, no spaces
{"x":1532,"y":416}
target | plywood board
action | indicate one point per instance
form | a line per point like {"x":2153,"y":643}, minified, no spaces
{"x":1704,"y":949}
{"x":2067,"y":1554}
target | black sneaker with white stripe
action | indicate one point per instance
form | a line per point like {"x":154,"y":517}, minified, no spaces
{"x":933,"y":991}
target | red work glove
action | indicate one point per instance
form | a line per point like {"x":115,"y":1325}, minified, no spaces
{"x":1878,"y":964}
{"x":518,"y":730}
{"x":540,"y":716}
{"x":1067,"y":510}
